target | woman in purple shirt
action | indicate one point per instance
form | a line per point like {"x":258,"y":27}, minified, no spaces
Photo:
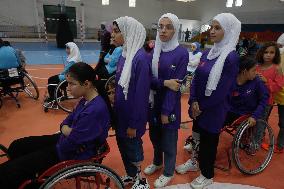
{"x":131,"y":102}
{"x":210,"y":92}
{"x":169,"y":62}
{"x":81,"y":133}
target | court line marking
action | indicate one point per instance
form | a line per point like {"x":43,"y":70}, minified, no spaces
{"x":42,"y":78}
{"x":30,"y":69}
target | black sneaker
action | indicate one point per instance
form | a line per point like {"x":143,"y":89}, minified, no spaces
{"x":128,"y":180}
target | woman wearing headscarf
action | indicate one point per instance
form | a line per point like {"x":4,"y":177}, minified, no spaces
{"x":210,"y":91}
{"x":168,"y":64}
{"x":73,"y":57}
{"x":194,"y":57}
{"x":131,"y":103}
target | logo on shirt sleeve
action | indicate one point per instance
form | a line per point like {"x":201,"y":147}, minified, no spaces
{"x":235,"y":93}
{"x":201,"y":63}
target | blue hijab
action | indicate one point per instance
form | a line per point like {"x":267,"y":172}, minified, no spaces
{"x":197,"y":50}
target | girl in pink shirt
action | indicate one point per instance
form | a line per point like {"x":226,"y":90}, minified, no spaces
{"x":269,"y":71}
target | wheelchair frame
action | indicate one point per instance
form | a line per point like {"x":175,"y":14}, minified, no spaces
{"x":75,"y":167}
{"x":55,"y":104}
{"x":238,"y":129}
{"x":18,"y":80}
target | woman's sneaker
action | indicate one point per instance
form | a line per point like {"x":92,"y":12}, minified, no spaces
{"x":151,"y":169}
{"x":141,"y":184}
{"x":187,"y":166}
{"x":162,"y":181}
{"x":188,"y":144}
{"x":200,"y":182}
{"x":126,"y":180}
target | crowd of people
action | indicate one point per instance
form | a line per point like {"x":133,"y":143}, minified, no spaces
{"x":224,"y":87}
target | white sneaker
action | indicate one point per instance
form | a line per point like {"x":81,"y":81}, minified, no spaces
{"x":162,"y":181}
{"x":141,"y":184}
{"x":188,"y":146}
{"x":126,"y":180}
{"x":151,"y":169}
{"x":200,"y":182}
{"x":187,"y":166}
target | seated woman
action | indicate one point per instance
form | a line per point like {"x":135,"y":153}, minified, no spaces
{"x":194,"y":57}
{"x":250,"y":95}
{"x":110,"y":61}
{"x":81,"y":133}
{"x":74,"y":56}
{"x":8,"y":56}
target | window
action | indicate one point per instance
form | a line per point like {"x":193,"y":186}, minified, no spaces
{"x":105,"y":2}
{"x":238,"y":3}
{"x":229,"y":3}
{"x":132,"y":3}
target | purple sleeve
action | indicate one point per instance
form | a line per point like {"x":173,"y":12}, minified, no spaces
{"x":263,"y":96}
{"x":87,"y":128}
{"x":142,"y":79}
{"x":156,"y":84}
{"x":192,"y":97}
{"x":172,"y":97}
{"x":69,"y":119}
{"x":229,"y":75}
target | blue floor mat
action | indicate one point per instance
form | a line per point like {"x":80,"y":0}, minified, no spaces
{"x":47,"y":53}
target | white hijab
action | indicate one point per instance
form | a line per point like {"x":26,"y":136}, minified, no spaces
{"x":165,"y":46}
{"x":134,"y":35}
{"x":74,"y":53}
{"x":232,"y":29}
{"x":280,"y":40}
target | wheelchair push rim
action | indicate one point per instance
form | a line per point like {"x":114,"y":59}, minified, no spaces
{"x":30,"y":87}
{"x":64,"y":100}
{"x":3,"y":153}
{"x":83,"y":175}
{"x":247,"y":153}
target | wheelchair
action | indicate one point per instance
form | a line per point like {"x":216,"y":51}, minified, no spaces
{"x":15,"y":80}
{"x":246,"y":151}
{"x":62,"y":99}
{"x":65,"y":101}
{"x":77,"y":174}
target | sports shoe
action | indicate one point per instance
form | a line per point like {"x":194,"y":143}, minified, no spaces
{"x":265,"y":146}
{"x":278,"y":149}
{"x":151,"y":169}
{"x":141,"y":184}
{"x":188,"y":147}
{"x":162,"y":181}
{"x":126,"y":180}
{"x":200,"y":182}
{"x":188,"y":144}
{"x":187,"y":166}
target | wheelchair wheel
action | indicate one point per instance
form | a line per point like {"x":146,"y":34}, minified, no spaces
{"x":185,"y":84}
{"x":84,"y":175}
{"x":64,"y":99}
{"x":109,"y":82}
{"x":30,"y":86}
{"x":3,"y":154}
{"x":247,"y":153}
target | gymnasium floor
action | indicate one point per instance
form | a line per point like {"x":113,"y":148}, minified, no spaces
{"x":30,"y":119}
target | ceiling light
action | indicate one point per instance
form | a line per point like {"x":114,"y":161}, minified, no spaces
{"x":132,"y":3}
{"x":238,"y":3}
{"x":229,"y":3}
{"x":186,"y":0}
{"x":105,"y":2}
